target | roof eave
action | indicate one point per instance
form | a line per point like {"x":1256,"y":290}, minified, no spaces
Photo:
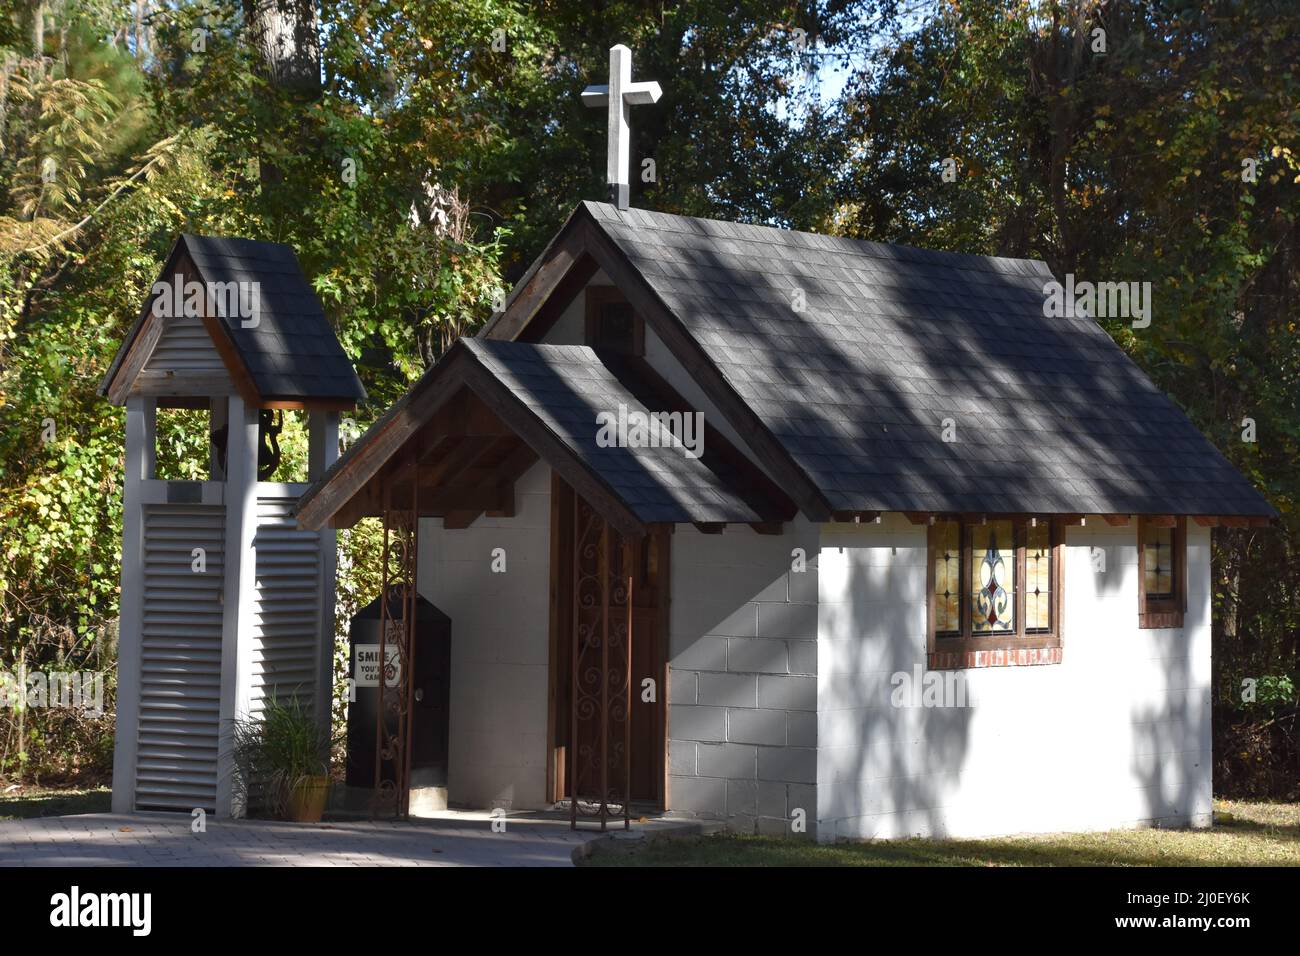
{"x":569,"y":223}
{"x":106,"y":383}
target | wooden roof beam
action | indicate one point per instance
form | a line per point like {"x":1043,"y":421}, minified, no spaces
{"x":366,"y":459}
{"x":1233,"y":521}
{"x":453,"y":464}
{"x":856,"y":517}
{"x":460,"y":520}
{"x":462,"y":497}
{"x":749,"y":481}
{"x":562,"y":260}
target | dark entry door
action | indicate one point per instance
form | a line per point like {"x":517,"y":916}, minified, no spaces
{"x":595,"y":571}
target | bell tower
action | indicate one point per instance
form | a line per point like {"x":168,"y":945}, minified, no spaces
{"x":224,"y":601}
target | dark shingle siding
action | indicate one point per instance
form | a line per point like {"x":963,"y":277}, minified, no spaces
{"x":1051,"y":415}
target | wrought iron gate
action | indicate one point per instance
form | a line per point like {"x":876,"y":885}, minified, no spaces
{"x":397,"y":611}
{"x":600,"y":768}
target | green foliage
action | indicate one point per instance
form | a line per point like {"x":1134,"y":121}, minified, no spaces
{"x":56,"y":743}
{"x":359,"y":580}
{"x":1274,"y":692}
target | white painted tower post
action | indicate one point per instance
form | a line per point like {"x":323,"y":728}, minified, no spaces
{"x":139,"y":462}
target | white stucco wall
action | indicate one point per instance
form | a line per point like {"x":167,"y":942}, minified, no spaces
{"x":499,"y":646}
{"x":742,"y":677}
{"x":1118,"y":734}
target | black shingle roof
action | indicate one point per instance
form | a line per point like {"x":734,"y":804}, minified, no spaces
{"x":566,"y":386}
{"x":1051,"y":416}
{"x":292,"y":353}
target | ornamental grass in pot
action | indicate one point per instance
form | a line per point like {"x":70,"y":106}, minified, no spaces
{"x":282,"y":758}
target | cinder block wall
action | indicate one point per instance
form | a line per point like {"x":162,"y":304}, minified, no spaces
{"x":499,"y":647}
{"x":743,"y":678}
{"x":1116,"y":735}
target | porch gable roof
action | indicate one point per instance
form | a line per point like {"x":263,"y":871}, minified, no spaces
{"x":549,"y":396}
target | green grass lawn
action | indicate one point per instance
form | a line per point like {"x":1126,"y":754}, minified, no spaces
{"x":1244,"y":834}
{"x":24,"y":802}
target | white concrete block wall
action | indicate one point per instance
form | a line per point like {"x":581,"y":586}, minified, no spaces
{"x":1116,"y":735}
{"x":742,"y":677}
{"x":499,"y":646}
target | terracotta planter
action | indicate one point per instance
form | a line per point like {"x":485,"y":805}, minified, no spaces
{"x":306,"y":803}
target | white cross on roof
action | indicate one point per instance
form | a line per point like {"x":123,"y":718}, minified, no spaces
{"x":619,"y":95}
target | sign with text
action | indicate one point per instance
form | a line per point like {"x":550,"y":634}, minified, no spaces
{"x":366,"y":668}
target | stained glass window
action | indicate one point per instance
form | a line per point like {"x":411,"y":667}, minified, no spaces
{"x":993,"y":578}
{"x":995,"y":584}
{"x":947,"y":578}
{"x":1158,"y":557}
{"x":1038,"y":578}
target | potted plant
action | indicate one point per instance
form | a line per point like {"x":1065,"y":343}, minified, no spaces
{"x":282,"y":757}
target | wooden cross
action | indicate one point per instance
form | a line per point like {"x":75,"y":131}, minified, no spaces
{"x":619,"y":95}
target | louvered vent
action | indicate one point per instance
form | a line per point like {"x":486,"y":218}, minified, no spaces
{"x":286,"y":632}
{"x":180,"y":684}
{"x":185,"y":346}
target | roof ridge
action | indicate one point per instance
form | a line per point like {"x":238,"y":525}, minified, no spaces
{"x":869,"y":248}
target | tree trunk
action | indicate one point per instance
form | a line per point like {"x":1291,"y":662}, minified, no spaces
{"x":285,"y":35}
{"x":38,"y":29}
{"x":139,"y":29}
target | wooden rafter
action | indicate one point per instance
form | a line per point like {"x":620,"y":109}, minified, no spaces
{"x":539,"y":286}
{"x":855,"y":517}
{"x":452,"y":466}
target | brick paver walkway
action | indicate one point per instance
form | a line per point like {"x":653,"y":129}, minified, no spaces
{"x":105,"y":839}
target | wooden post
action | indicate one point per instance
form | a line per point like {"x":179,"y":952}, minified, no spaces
{"x":218,"y":415}
{"x":605,"y":572}
{"x":238,"y":593}
{"x":139,"y":462}
{"x":628,"y":565}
